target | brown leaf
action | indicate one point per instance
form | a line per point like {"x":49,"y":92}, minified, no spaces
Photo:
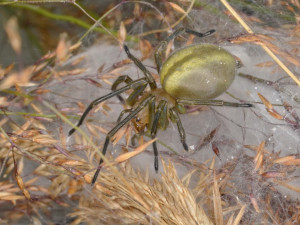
{"x":20,"y":180}
{"x":239,"y":216}
{"x":122,"y":33}
{"x":31,"y":181}
{"x":78,"y":60}
{"x":12,"y":30}
{"x":11,"y":197}
{"x":216,"y":149}
{"x":93,"y":82}
{"x":92,"y":129}
{"x":21,"y":79}
{"x":137,"y":151}
{"x":4,"y":102}
{"x":5,"y":71}
{"x":146,"y":48}
{"x":21,"y":186}
{"x":66,"y":162}
{"x":44,"y":139}
{"x":263,"y":40}
{"x":71,"y":72}
{"x":42,"y":91}
{"x":265,"y":64}
{"x":289,"y":186}
{"x":292,"y":162}
{"x":137,"y":10}
{"x":75,"y":46}
{"x":284,"y":160}
{"x":218,"y":212}
{"x":273,"y":174}
{"x":254,"y":203}
{"x":72,"y":187}
{"x":62,"y":48}
{"x":177,"y":8}
{"x":258,"y":159}
{"x":275,"y":114}
{"x":265,"y":101}
{"x":117,"y":137}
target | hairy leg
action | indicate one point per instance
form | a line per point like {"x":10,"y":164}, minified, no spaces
{"x":111,"y":133}
{"x":132,"y":85}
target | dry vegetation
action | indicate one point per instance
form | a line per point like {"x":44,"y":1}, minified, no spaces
{"x":39,"y":171}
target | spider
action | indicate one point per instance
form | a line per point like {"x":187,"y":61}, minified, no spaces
{"x":193,"y":75}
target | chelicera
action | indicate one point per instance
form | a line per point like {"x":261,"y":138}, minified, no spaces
{"x":193,"y":75}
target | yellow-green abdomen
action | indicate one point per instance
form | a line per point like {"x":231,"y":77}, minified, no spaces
{"x":201,"y":71}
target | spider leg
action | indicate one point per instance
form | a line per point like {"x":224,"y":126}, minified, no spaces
{"x":158,"y":54}
{"x":176,"y":118}
{"x":198,"y":34}
{"x":131,"y":100}
{"x":163,"y":119}
{"x":119,"y":80}
{"x":151,"y":113}
{"x":154,"y":127}
{"x":139,"y":64}
{"x":213,"y":103}
{"x":122,"y":114}
{"x":97,"y":101}
{"x":111,"y":133}
{"x":134,"y":95}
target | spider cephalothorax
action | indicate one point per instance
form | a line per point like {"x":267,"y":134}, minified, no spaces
{"x":193,"y":75}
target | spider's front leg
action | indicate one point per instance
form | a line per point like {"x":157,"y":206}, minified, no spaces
{"x":133,"y":85}
{"x":119,"y":80}
{"x":140,"y":65}
{"x":154,"y":126}
{"x":159,"y":119}
{"x":111,"y":133}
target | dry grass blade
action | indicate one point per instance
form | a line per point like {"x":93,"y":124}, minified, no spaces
{"x":218,"y":212}
{"x":265,"y":101}
{"x":137,"y":151}
{"x":11,"y":197}
{"x":258,"y":160}
{"x":289,"y":186}
{"x":269,"y":108}
{"x":123,"y":195}
{"x":122,"y":33}
{"x":273,"y":174}
{"x":22,"y":187}
{"x":177,"y":8}
{"x":70,"y":72}
{"x":146,"y":48}
{"x":264,"y":41}
{"x":169,"y":199}
{"x":5,"y":71}
{"x":117,"y":137}
{"x":20,"y":180}
{"x":265,"y":64}
{"x":239,"y":216}
{"x":14,"y":37}
{"x":254,"y":203}
{"x":21,"y":79}
{"x":292,"y":162}
{"x":62,"y":48}
{"x":285,"y":160}
{"x":275,"y":114}
{"x":248,"y":29}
